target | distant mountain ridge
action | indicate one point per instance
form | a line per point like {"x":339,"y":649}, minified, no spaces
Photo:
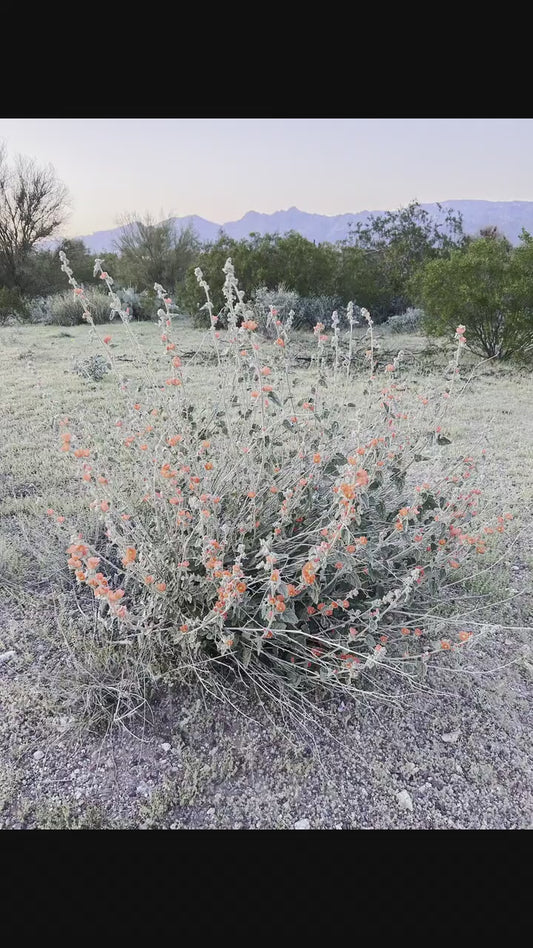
{"x":508,"y":216}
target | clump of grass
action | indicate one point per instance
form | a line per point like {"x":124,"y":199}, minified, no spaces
{"x":296,"y":530}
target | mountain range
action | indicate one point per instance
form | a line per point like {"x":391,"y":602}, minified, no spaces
{"x":508,"y":216}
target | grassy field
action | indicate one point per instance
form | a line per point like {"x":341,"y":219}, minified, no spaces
{"x":462,"y":753}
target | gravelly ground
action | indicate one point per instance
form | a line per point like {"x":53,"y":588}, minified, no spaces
{"x":457,"y":758}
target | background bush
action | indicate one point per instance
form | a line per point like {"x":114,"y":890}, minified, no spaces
{"x":65,"y":309}
{"x":12,"y":306}
{"x":410,"y":321}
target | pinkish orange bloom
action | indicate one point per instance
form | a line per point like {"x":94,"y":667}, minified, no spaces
{"x":130,"y":556}
{"x":308,"y":573}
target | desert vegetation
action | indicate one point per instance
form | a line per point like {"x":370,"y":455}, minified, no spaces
{"x":249,"y":490}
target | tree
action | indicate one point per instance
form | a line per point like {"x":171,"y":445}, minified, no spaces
{"x":398,"y":243}
{"x":33,"y":205}
{"x":154,"y":253}
{"x":488,"y":287}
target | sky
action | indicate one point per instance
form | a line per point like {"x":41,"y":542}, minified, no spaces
{"x":221,"y":168}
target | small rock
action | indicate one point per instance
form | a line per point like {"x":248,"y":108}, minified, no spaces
{"x":38,"y":755}
{"x":404,"y":801}
{"x":302,"y":825}
{"x":166,"y":747}
{"x":452,"y":737}
{"x":6,"y":656}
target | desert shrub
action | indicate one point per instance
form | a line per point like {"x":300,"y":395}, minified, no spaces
{"x":141,"y":305}
{"x":281,"y":301}
{"x":488,"y":287}
{"x":95,"y":367}
{"x":410,"y":321}
{"x":318,"y":309}
{"x":39,"y":310}
{"x":65,"y":310}
{"x":300,"y":532}
{"x":12,"y":306}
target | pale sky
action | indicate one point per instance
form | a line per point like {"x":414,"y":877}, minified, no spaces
{"x":221,"y":168}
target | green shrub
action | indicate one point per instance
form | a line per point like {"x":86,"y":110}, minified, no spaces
{"x":12,"y":306}
{"x":487,"y":287}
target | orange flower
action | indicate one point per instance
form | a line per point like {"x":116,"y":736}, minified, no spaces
{"x":116,"y":595}
{"x":308,"y":573}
